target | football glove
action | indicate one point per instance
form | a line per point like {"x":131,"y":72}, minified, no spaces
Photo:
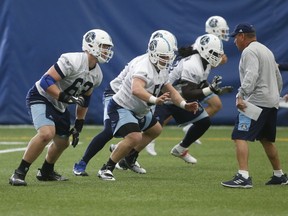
{"x":226,"y":89}
{"x":75,"y":131}
{"x":214,"y":86}
{"x":63,"y":97}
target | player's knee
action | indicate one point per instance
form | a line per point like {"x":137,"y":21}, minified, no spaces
{"x":46,"y":135}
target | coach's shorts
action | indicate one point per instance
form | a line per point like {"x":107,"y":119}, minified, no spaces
{"x":250,"y":130}
{"x":47,"y":115}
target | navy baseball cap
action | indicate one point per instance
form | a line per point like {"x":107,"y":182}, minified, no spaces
{"x":243,"y":28}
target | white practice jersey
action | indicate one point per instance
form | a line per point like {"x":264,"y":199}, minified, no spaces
{"x":117,"y":82}
{"x":189,"y":69}
{"x":76,"y":80}
{"x":140,"y":67}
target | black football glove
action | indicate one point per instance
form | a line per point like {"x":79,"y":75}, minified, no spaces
{"x":63,"y":97}
{"x":215,"y":85}
{"x":226,"y":89}
{"x":75,"y":131}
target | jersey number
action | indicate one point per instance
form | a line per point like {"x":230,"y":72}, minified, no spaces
{"x":156,"y":92}
{"x":73,"y":89}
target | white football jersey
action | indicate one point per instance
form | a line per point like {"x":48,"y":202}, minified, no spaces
{"x":140,"y":67}
{"x":190,"y":69}
{"x":117,"y":82}
{"x":76,"y":80}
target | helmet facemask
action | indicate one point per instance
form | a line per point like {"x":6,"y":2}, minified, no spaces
{"x":104,"y":54}
{"x":210,"y":48}
{"x":214,"y":57}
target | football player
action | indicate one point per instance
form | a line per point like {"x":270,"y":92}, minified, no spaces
{"x":129,"y":109}
{"x":71,"y":80}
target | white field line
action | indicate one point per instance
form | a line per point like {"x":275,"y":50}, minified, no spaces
{"x":12,"y":143}
{"x":17,"y":149}
{"x":12,"y":150}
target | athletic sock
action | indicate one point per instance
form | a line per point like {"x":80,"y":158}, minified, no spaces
{"x":278,"y":173}
{"x":24,"y":166}
{"x":47,"y":167}
{"x":244,"y":173}
{"x":132,"y":156}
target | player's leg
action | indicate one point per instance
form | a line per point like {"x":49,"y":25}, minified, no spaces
{"x":96,"y":144}
{"x":56,"y":148}
{"x":201,"y":123}
{"x":45,"y":132}
{"x":150,"y":148}
{"x":214,"y":104}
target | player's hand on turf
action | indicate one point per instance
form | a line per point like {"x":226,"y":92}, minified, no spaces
{"x":75,"y":131}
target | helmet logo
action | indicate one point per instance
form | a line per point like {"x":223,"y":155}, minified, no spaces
{"x":204,"y":40}
{"x":158,"y":34}
{"x":152,"y":45}
{"x":213,"y":23}
{"x":90,"y":37}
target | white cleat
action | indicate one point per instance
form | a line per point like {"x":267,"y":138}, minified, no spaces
{"x":150,"y":148}
{"x":106,"y":175}
{"x":184,"y":155}
{"x":123,"y":165}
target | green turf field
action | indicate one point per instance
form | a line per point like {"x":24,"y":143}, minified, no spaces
{"x":170,"y":187}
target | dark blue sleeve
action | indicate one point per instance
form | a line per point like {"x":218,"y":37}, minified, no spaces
{"x":283,"y":66}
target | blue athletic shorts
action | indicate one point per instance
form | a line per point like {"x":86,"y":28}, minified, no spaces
{"x":181,"y":116}
{"x":121,"y":118}
{"x":106,"y":100}
{"x":250,"y":130}
{"x":46,"y":115}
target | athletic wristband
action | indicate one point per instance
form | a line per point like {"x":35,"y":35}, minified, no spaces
{"x":182,"y":104}
{"x":207,"y":91}
{"x":152,"y":99}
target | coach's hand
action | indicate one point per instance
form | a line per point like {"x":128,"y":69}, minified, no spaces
{"x":76,"y":130}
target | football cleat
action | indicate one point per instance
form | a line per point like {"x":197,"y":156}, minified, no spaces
{"x":17,"y":179}
{"x":112,"y":147}
{"x":184,"y":155}
{"x":106,"y":175}
{"x":150,"y":148}
{"x":135,"y":168}
{"x":79,"y":168}
{"x":53,"y":176}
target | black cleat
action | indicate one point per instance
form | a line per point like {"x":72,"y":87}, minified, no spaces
{"x":54,"y":176}
{"x":17,"y":179}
